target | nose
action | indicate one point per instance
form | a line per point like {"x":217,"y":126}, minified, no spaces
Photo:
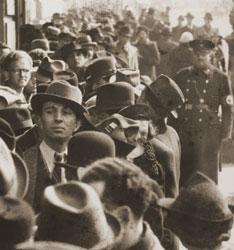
{"x":58,"y":116}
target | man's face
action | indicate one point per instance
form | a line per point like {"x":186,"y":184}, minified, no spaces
{"x":19,"y":73}
{"x":202,"y":59}
{"x":58,"y":121}
{"x":124,"y":39}
{"x":76,"y":59}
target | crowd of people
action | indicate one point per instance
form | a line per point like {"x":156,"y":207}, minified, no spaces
{"x":110,"y":134}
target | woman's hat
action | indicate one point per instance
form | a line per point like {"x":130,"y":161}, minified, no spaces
{"x":122,"y":130}
{"x":59,"y":91}
{"x":73,"y":213}
{"x":199,"y":215}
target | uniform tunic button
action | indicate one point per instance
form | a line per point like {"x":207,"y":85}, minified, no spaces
{"x":186,"y":99}
{"x":200,"y":119}
{"x":204,"y":91}
{"x":188,"y":80}
{"x":200,"y":110}
{"x":186,"y":118}
{"x":187,"y":90}
{"x":207,"y":81}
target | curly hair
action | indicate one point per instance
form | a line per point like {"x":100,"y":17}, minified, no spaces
{"x":14,"y":56}
{"x":125,"y":184}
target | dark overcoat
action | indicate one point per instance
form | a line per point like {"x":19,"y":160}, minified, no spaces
{"x":203,"y":120}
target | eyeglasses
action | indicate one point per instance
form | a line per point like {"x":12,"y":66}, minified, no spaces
{"x":19,"y":71}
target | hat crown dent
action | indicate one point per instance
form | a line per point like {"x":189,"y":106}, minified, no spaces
{"x":63,"y":89}
{"x":201,"y":198}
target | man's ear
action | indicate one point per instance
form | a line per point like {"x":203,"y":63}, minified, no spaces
{"x":124,"y":214}
{"x":78,"y":124}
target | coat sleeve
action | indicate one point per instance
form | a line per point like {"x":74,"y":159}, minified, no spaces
{"x":227,"y":106}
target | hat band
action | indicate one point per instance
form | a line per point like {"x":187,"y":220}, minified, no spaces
{"x":45,"y":73}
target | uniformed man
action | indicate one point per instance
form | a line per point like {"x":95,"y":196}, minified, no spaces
{"x":201,"y":123}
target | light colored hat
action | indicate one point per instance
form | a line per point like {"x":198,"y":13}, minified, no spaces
{"x":186,"y":37}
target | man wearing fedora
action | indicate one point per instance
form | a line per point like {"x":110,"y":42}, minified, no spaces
{"x":206,"y":31}
{"x":189,"y":27}
{"x":124,"y":49}
{"x":200,"y":124}
{"x":126,"y":191}
{"x":199,"y":215}
{"x":60,"y":111}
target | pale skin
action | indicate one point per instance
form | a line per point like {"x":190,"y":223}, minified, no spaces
{"x":58,"y":123}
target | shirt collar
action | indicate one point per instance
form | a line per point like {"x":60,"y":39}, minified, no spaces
{"x":48,"y":155}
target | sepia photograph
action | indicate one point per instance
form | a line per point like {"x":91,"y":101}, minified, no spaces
{"x":116,"y":124}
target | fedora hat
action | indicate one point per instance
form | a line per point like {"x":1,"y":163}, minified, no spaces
{"x":14,"y":176}
{"x":19,"y":118}
{"x":59,"y":91}
{"x":86,"y":147}
{"x":47,"y":245}
{"x":189,"y":16}
{"x":100,"y":68}
{"x":138,"y":112}
{"x":47,"y":68}
{"x":40,"y":43}
{"x":7,"y":134}
{"x":69,"y":76}
{"x":16,"y":221}
{"x":114,"y":96}
{"x":208,"y":16}
{"x":73,"y":213}
{"x":68,"y":49}
{"x":199,"y":215}
{"x":85,"y":40}
{"x":167,"y":95}
{"x":122,"y":130}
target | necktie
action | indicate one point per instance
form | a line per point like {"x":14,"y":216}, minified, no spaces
{"x":57,"y":170}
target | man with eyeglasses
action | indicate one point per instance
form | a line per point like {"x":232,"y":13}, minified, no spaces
{"x":17,"y":66}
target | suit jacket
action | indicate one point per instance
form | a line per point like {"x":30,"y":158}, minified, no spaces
{"x":39,"y":177}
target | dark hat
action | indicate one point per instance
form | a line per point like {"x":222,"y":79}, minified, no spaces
{"x":180,"y":18}
{"x":100,"y":68}
{"x":199,"y":215}
{"x":47,"y":68}
{"x":142,"y":28}
{"x":16,"y":221}
{"x":59,"y":91}
{"x":73,"y":213}
{"x":189,"y":15}
{"x":114,"y":96}
{"x":68,"y":49}
{"x":202,"y":45}
{"x":85,"y":40}
{"x":138,"y":112}
{"x":46,"y":245}
{"x":40,"y":43}
{"x":208,"y":16}
{"x":86,"y":147}
{"x":123,"y":131}
{"x":42,"y":87}
{"x":7,"y":134}
{"x":131,"y":76}
{"x":19,"y":118}
{"x":166,"y":31}
{"x":125,"y":31}
{"x":166,"y":92}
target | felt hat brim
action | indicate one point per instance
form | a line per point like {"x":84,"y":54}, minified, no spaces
{"x":165,"y":202}
{"x":122,"y":148}
{"x":39,"y":99}
{"x":94,"y":44}
{"x":22,"y":175}
{"x":173,"y":112}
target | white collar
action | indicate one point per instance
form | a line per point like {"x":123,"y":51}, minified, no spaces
{"x":48,"y":155}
